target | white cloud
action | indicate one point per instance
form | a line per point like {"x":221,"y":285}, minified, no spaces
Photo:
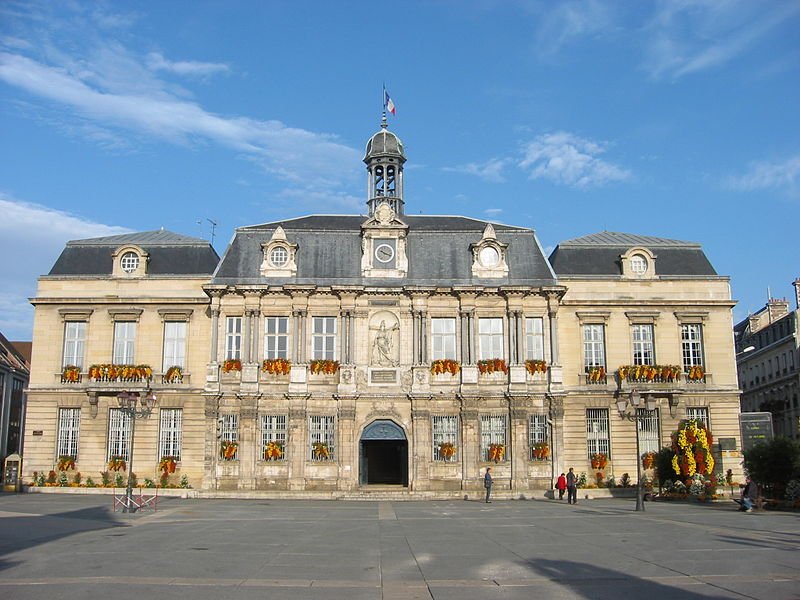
{"x":157,"y":62}
{"x":769,"y":175}
{"x":569,"y":160}
{"x":561,"y":23}
{"x":35,"y":235}
{"x":492,"y":212}
{"x":491,"y":170}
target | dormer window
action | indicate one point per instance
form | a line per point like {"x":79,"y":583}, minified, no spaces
{"x":489,"y":256}
{"x":638,"y":264}
{"x":129,"y":262}
{"x":279,"y":256}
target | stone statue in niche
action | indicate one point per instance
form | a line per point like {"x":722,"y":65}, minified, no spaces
{"x":385,"y":351}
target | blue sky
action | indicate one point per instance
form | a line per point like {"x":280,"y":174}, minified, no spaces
{"x":672,"y":119}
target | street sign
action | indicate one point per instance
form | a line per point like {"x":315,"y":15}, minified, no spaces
{"x":756,"y":428}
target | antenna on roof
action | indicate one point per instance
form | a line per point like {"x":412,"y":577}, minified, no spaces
{"x":213,"y":228}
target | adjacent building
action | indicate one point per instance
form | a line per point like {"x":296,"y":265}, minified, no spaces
{"x":334,"y":355}
{"x":14,"y":374}
{"x":767,"y":358}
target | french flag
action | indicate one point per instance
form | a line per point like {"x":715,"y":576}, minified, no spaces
{"x":387,"y":102}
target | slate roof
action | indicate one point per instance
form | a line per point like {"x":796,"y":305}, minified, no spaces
{"x":438,"y":250}
{"x":12,"y":359}
{"x":598,"y":254}
{"x":170,"y":254}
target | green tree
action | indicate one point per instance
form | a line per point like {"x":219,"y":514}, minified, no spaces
{"x":772,"y":464}
{"x":663,"y":466}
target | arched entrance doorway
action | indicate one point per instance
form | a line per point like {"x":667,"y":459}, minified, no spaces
{"x":383,"y":454}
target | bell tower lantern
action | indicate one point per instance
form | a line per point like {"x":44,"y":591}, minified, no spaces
{"x":384,"y":158}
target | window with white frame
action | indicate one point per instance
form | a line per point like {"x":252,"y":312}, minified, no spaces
{"x":493,"y":433}
{"x":537,"y":429}
{"x":648,"y":428}
{"x":174,"y":345}
{"x":273,"y":431}
{"x":170,"y":433}
{"x":124,"y":342}
{"x":322,"y":437}
{"x":490,"y":338}
{"x":69,"y":425}
{"x":445,"y":431}
{"x":323,"y":338}
{"x":594,"y":353}
{"x":698,"y":413}
{"x":74,"y":343}
{"x":597,"y":439}
{"x":443,"y":338}
{"x":534,"y":338}
{"x":119,"y":434}
{"x":233,"y":338}
{"x":229,"y":436}
{"x":643,"y":349}
{"x":276,"y":337}
{"x":692,"y":345}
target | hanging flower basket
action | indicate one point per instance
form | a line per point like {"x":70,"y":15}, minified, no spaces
{"x":599,"y":460}
{"x":648,"y":460}
{"x":273,"y":451}
{"x":71,"y":374}
{"x":328,"y":367}
{"x":540,"y":451}
{"x":174,"y":374}
{"x":447,"y":450}
{"x":66,"y":463}
{"x":228,"y":450}
{"x":445,"y":365}
{"x":596,"y":374}
{"x":276,"y":366}
{"x":232,"y":364}
{"x":319,"y":450}
{"x":492,"y":365}
{"x":167,"y":465}
{"x":497,"y":452}
{"x":117,"y":463}
{"x":536,"y":366}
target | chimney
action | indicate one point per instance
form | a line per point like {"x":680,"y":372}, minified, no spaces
{"x":777,"y":308}
{"x":796,"y":285}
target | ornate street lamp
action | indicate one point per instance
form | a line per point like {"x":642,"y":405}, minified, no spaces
{"x":135,"y":406}
{"x":634,"y":400}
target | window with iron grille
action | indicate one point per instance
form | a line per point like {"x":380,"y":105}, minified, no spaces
{"x":69,"y":425}
{"x":643,"y":351}
{"x":445,"y":431}
{"x":324,"y":338}
{"x":233,"y":338}
{"x":597,"y":439}
{"x":119,"y":434}
{"x":273,"y":430}
{"x":322,"y":437}
{"x":443,"y":339}
{"x":594,"y":354}
{"x":174,"y":345}
{"x":229,"y":432}
{"x":74,"y":343}
{"x":124,"y":342}
{"x":537,"y":429}
{"x":534,"y":338}
{"x":698,"y":413}
{"x":170,"y":433}
{"x":490,"y":338}
{"x":493,"y":432}
{"x":276,"y":337}
{"x":692,"y":345}
{"x":648,"y":427}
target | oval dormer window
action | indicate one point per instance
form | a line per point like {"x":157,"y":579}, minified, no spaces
{"x":129,"y":262}
{"x":638,"y":264}
{"x":279,"y":256}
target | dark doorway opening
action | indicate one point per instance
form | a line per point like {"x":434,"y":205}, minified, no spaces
{"x":384,"y":462}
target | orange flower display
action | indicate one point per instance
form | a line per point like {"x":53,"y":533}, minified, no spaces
{"x":232,"y":364}
{"x":596,"y":374}
{"x":695,"y":373}
{"x":447,"y":450}
{"x":71,"y":374}
{"x":497,"y":452}
{"x":273,"y":451}
{"x":276,"y":366}
{"x":648,"y":460}
{"x":691,"y":444}
{"x":66,"y":463}
{"x":328,"y":367}
{"x":536,"y":366}
{"x":599,"y":460}
{"x":117,"y":463}
{"x":445,"y":365}
{"x":174,"y":374}
{"x":111,"y":372}
{"x":649,"y":373}
{"x":320,"y":451}
{"x":492,"y":365}
{"x":168,"y":465}
{"x":540,"y":451}
{"x":228,"y":449}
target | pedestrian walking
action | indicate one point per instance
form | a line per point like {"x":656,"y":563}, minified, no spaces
{"x":749,"y":495}
{"x":572,"y":487}
{"x":561,"y":486}
{"x":487,"y":483}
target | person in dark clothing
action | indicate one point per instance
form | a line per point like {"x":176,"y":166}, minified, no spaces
{"x":572,"y":487}
{"x":487,"y":483}
{"x":561,"y":486}
{"x":749,"y":495}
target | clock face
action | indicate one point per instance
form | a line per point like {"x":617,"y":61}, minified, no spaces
{"x":384,"y":253}
{"x":489,"y":257}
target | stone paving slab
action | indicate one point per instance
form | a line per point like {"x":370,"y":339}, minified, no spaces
{"x":76,"y":547}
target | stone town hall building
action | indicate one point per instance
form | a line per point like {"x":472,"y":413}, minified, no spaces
{"x":334,"y":355}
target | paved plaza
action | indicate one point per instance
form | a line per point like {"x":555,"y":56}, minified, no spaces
{"x":73,"y":546}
